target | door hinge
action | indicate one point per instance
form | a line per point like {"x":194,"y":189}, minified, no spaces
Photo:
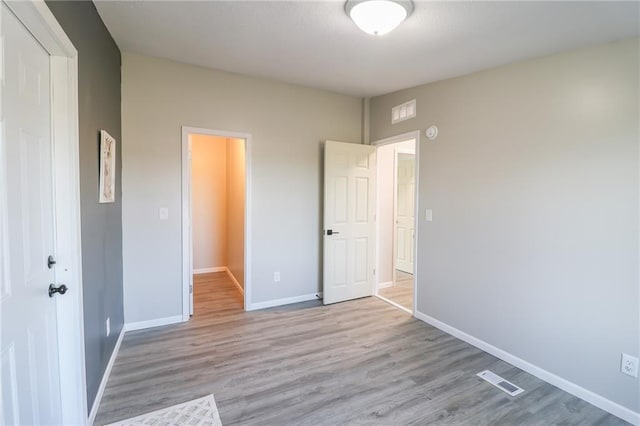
{"x":374,"y":271}
{"x":190,"y":289}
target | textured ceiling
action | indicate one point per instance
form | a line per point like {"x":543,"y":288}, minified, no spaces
{"x":315,"y":44}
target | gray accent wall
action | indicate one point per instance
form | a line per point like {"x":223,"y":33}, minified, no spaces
{"x":99,"y":107}
{"x":533,"y":183}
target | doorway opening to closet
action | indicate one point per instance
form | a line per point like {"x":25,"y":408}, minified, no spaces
{"x":396,"y":207}
{"x":214,"y":221}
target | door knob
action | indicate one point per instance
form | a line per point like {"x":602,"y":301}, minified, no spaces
{"x":53,"y":289}
{"x":331,"y":232}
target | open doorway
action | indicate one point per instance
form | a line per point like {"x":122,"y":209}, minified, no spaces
{"x":215,"y":235}
{"x":396,"y":207}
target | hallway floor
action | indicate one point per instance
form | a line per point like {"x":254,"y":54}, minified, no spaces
{"x":358,"y":362}
{"x":401,"y":292}
{"x":214,"y":293}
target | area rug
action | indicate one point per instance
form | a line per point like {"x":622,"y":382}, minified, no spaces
{"x":197,"y":412}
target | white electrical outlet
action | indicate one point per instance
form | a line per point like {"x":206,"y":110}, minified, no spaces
{"x":276,"y":277}
{"x":428,"y":215}
{"x":629,"y":365}
{"x":108,"y":326}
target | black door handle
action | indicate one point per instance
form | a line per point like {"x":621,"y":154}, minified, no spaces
{"x":331,"y":232}
{"x":53,"y":289}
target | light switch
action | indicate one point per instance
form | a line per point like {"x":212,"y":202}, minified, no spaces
{"x":429,"y":215}
{"x":164,"y":213}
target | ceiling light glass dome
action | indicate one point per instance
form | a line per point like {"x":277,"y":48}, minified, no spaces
{"x":378,"y":17}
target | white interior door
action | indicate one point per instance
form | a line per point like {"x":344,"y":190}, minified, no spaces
{"x":30,"y":375}
{"x":349,"y":221}
{"x":405,"y":203}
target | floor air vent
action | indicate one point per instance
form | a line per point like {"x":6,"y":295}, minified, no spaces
{"x":500,"y":383}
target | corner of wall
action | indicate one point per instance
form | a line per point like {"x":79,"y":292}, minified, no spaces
{"x":366,"y":117}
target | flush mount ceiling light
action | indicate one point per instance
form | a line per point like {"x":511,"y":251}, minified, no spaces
{"x":378,"y":17}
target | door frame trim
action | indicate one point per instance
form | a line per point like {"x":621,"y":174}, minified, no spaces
{"x":187,"y":239}
{"x":386,"y":141}
{"x":42,"y":24}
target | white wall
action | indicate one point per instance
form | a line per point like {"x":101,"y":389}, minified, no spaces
{"x":287,"y":124}
{"x":209,"y":201}
{"x":235,"y":208}
{"x":533,"y":182}
{"x":385,"y":157}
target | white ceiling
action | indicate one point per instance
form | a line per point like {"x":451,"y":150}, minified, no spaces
{"x":314,"y":43}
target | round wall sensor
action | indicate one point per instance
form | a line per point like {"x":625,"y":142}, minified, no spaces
{"x":432,"y":132}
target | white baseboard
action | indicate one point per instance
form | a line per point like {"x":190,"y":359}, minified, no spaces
{"x":140,"y":325}
{"x":286,"y":301}
{"x":567,"y":386}
{"x":209,"y":270}
{"x":235,"y":281}
{"x":385,"y":285}
{"x":105,"y":378}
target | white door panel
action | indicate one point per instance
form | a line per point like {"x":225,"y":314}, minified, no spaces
{"x":349,"y":209}
{"x":405,"y":203}
{"x":30,"y":378}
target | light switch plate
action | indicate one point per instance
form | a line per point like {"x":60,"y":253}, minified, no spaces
{"x":164,"y":213}
{"x":428,"y":215}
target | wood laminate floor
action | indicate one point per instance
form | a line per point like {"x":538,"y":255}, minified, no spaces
{"x":362,"y":362}
{"x":401,"y":292}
